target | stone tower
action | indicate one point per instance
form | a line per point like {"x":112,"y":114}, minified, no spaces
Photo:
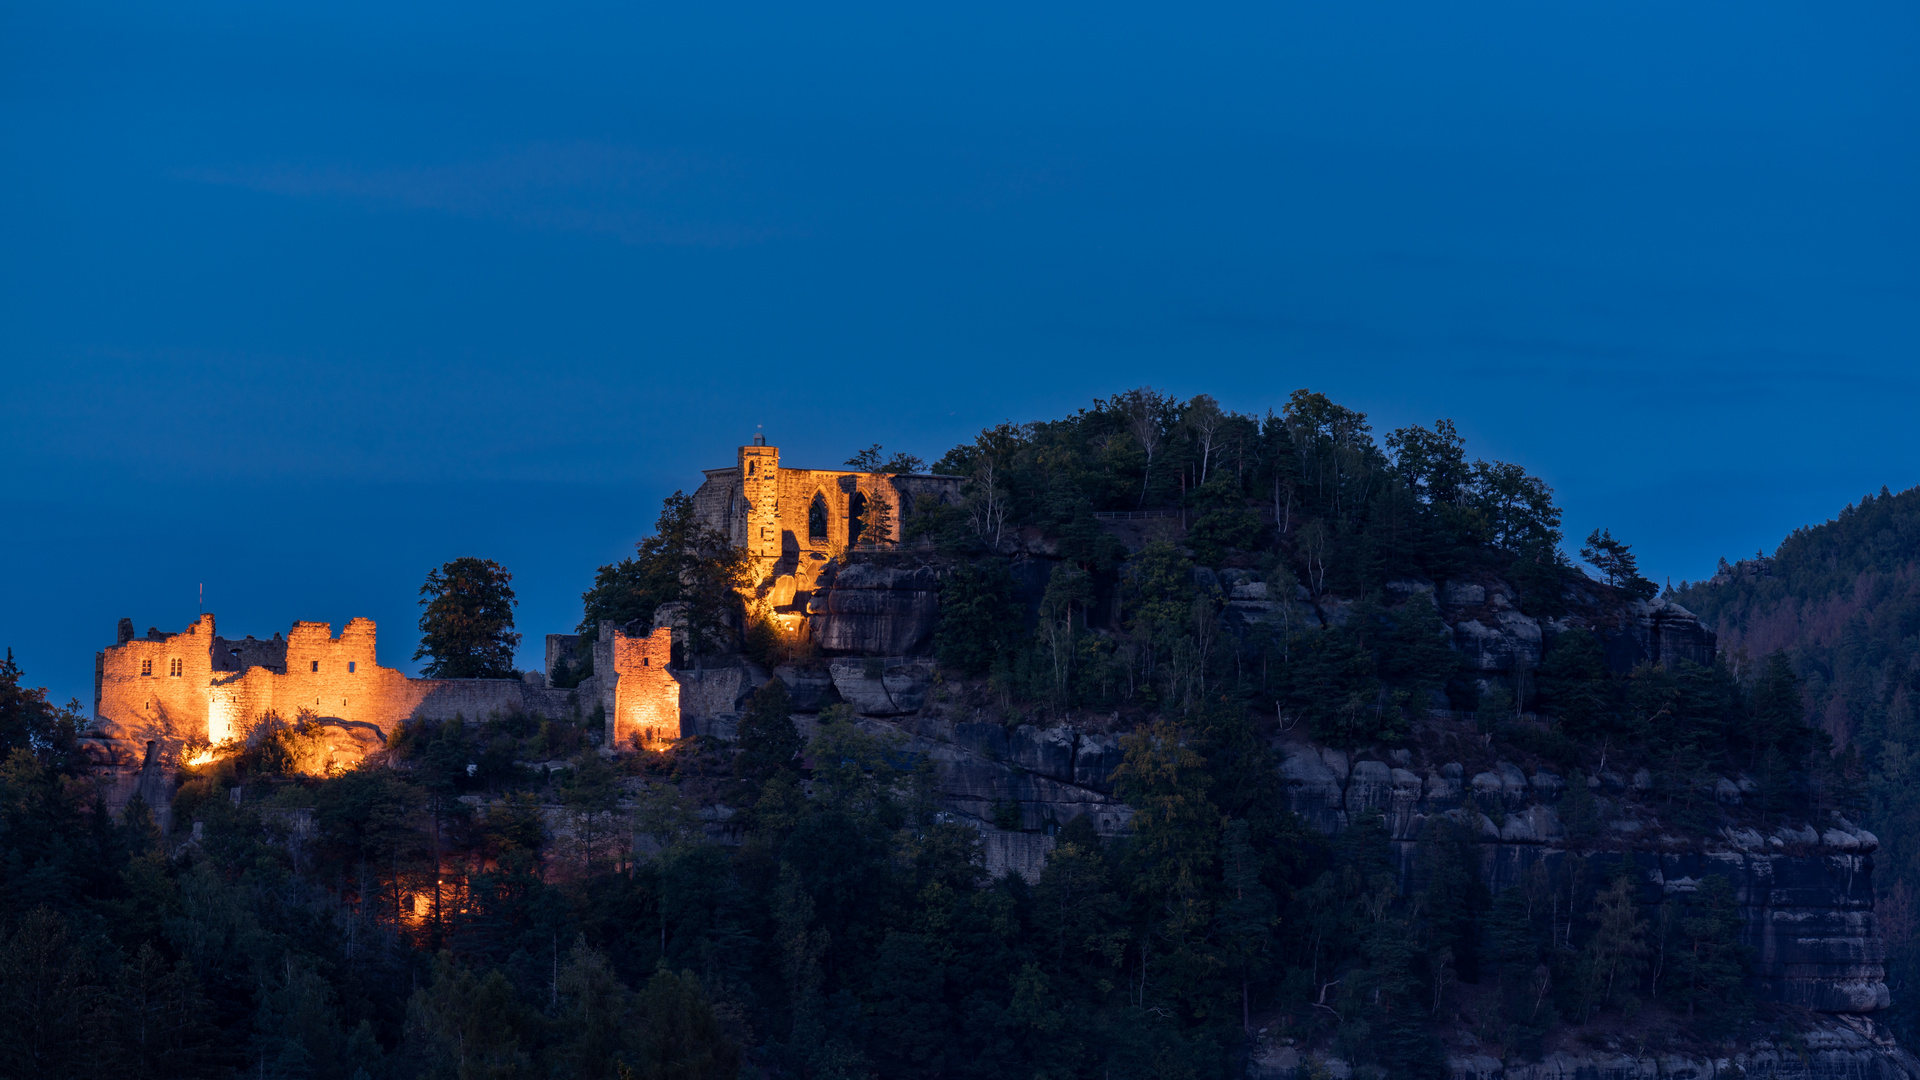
{"x":760,"y":489}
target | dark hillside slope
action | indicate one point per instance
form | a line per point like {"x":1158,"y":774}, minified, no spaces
{"x":1842,"y":599}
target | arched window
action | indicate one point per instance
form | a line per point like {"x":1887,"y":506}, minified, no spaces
{"x":173,"y":666}
{"x":817,"y":518}
{"x":856,"y":510}
{"x":751,"y":466}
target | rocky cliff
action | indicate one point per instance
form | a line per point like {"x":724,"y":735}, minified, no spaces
{"x":1839,"y":1048}
{"x":871,"y":610}
{"x":1805,"y":887}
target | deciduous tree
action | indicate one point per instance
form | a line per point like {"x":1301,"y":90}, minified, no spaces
{"x":466,"y":631}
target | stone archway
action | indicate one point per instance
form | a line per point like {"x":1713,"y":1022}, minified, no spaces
{"x":856,"y":509}
{"x":819,"y":519}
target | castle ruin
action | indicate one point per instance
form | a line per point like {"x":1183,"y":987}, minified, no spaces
{"x":168,"y":698}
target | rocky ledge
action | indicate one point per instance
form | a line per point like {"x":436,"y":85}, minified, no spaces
{"x":1806,"y":890}
{"x":1840,"y":1048}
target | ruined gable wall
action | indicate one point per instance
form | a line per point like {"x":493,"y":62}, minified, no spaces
{"x":717,"y":504}
{"x":797,"y":489}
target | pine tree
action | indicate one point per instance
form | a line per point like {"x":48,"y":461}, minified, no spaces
{"x":1711,"y":964}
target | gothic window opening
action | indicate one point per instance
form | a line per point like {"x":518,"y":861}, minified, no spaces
{"x":817,"y":518}
{"x":856,"y":511}
{"x":173,"y":666}
{"x":751,"y":466}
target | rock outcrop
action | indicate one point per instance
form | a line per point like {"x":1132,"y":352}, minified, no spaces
{"x":1046,"y":776}
{"x":871,"y":610}
{"x":882,"y":687}
{"x":1498,"y":638}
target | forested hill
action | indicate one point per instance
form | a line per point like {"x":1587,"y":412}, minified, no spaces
{"x":1185,"y":743}
{"x":1842,"y":599}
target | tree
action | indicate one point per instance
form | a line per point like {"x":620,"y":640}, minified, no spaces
{"x":1616,"y":563}
{"x":874,"y":460}
{"x":1517,"y":509}
{"x":29,"y":722}
{"x":1247,"y":915}
{"x":1779,"y":715}
{"x":1069,"y":591}
{"x":595,"y":1007}
{"x":1711,"y":963}
{"x":468,"y":1026}
{"x":1175,"y":839}
{"x":766,"y":737}
{"x":1618,"y":949}
{"x":680,"y":1037}
{"x":1146,"y":412}
{"x":1521,"y":936}
{"x":979,"y":617}
{"x":873,"y":519}
{"x":466,"y":631}
{"x":1432,"y":464}
{"x":1204,"y":420}
{"x":683,"y":561}
{"x":47,"y":992}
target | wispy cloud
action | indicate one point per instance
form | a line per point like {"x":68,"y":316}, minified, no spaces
{"x":634,"y":196}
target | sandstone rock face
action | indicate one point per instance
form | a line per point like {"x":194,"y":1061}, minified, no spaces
{"x":1048,"y":776}
{"x":1806,"y":892}
{"x":1497,"y":637}
{"x":875,"y":611}
{"x":878,"y":688}
{"x":811,"y":690}
{"x":1842,"y":1048}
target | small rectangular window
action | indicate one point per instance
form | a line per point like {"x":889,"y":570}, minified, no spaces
{"x":146,"y":667}
{"x":350,"y":666}
{"x":646,"y":661}
{"x":316,"y":665}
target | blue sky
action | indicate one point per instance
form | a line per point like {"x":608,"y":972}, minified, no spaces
{"x":301,"y":300}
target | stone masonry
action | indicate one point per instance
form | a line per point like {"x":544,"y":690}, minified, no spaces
{"x":793,"y":522}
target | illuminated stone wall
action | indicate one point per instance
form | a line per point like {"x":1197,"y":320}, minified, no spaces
{"x":334,"y":680}
{"x":765,"y":508}
{"x":154,"y":689}
{"x":646,"y":695}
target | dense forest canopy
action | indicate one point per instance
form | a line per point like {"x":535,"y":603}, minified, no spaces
{"x":495,"y":896}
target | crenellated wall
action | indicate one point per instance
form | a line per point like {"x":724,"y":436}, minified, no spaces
{"x":223,"y":687}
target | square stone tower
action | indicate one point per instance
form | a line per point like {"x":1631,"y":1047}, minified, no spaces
{"x":760,"y":489}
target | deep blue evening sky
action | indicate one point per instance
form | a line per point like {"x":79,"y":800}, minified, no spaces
{"x":300,"y":300}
